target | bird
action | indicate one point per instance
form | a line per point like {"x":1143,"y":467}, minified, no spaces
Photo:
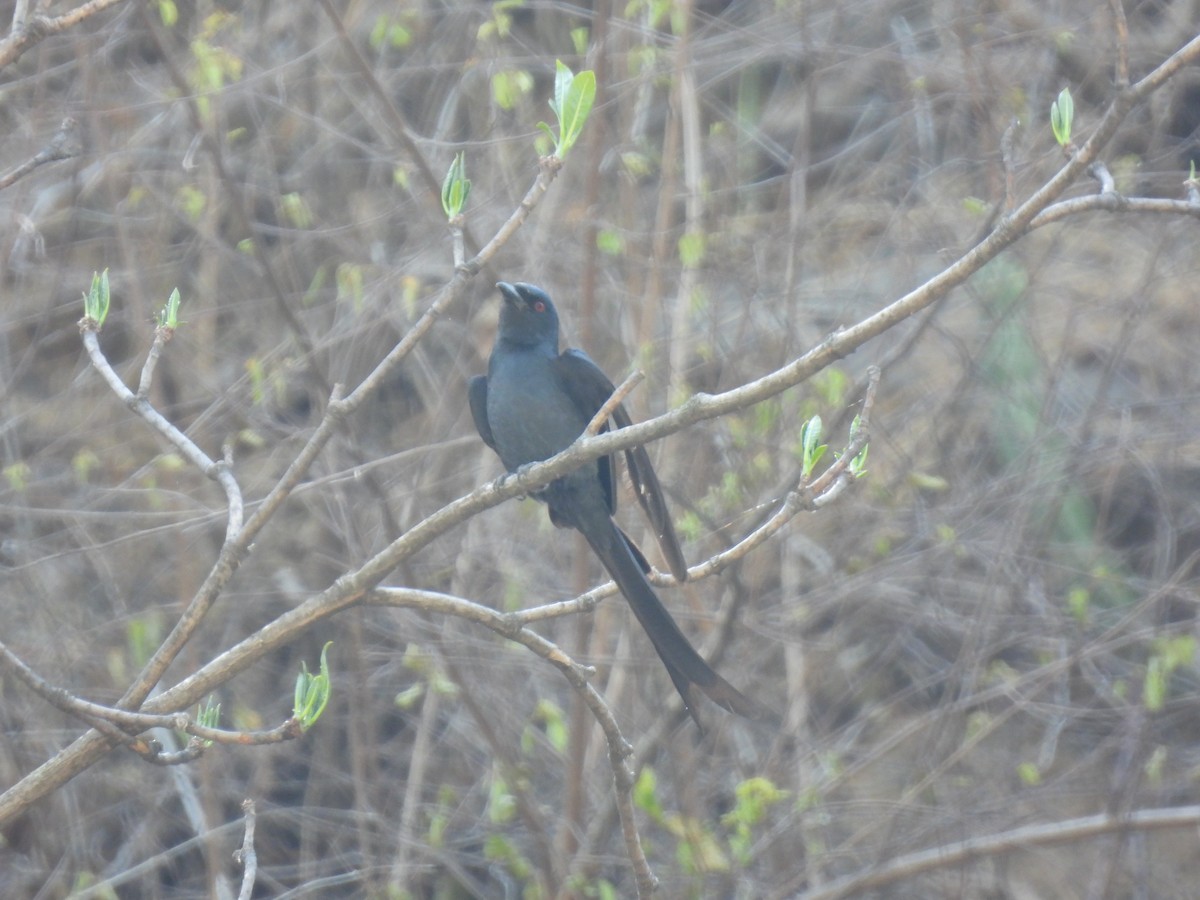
{"x":534,"y":402}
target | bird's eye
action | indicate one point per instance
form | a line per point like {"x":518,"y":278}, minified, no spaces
{"x":539,"y":306}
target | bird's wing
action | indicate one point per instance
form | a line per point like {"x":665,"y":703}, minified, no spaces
{"x":477,"y":395}
{"x":589,"y":388}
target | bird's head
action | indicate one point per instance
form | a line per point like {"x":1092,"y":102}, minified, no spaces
{"x":527,"y":317}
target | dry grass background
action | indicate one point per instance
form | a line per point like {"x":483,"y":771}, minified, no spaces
{"x":960,"y":645}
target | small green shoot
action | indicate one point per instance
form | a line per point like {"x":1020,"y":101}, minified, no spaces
{"x":168,"y":318}
{"x":1170,"y":653}
{"x":455,"y":188}
{"x":18,"y":476}
{"x":755,"y":797}
{"x":95,"y":301}
{"x":811,"y":448}
{"x":209,"y":716}
{"x":312,"y":692}
{"x":858,"y":465}
{"x":1062,"y":114}
{"x":645,"y":794}
{"x":579,"y":40}
{"x":168,"y":12}
{"x":553,"y":722}
{"x":502,"y":804}
{"x":571,"y":104}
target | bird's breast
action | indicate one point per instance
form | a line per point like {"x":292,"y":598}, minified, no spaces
{"x":531,"y":416}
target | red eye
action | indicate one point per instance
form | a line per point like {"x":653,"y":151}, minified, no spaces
{"x":539,"y":306}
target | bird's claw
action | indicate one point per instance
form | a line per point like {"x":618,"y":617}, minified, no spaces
{"x":519,"y":475}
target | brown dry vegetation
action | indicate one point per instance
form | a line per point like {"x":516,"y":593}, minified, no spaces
{"x":994,"y":630}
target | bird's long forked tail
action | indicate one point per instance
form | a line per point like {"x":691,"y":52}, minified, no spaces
{"x":687,"y":668}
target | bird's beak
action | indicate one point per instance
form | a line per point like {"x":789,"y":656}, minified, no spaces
{"x":509,"y":293}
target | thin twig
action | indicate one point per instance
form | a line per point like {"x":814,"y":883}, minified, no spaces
{"x":218,"y":471}
{"x":1121,"y":36}
{"x":1099,"y":171}
{"x":162,"y":334}
{"x":1008,"y":154}
{"x":33,"y":29}
{"x":959,"y":852}
{"x":97,"y":715}
{"x":1114,"y":202}
{"x":64,"y":145}
{"x":247,"y":856}
{"x":624,"y":389}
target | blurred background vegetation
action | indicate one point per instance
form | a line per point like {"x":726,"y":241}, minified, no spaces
{"x":996,"y":629}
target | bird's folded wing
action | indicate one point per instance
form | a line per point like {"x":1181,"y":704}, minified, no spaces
{"x":477,"y":396}
{"x":589,"y":388}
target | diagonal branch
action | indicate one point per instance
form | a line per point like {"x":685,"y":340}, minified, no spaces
{"x":26,"y":32}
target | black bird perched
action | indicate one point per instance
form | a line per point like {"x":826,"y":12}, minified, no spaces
{"x":533,"y":403}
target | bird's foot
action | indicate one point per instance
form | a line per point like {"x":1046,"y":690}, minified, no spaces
{"x":519,"y":476}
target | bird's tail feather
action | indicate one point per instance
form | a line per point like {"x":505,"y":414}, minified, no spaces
{"x":686,"y":667}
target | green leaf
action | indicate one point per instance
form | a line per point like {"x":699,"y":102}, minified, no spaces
{"x":96,"y":300}
{"x":18,"y":475}
{"x":579,"y":106}
{"x":408,"y":698}
{"x":579,"y":40}
{"x":1062,"y":114}
{"x":209,"y":715}
{"x":456,"y":187}
{"x":858,"y":465}
{"x":691,"y":249}
{"x":645,"y":794}
{"x":350,"y":280}
{"x":83,"y":463}
{"x":1154,"y":689}
{"x":609,"y":242}
{"x":811,"y":448}
{"x":1177,"y":651}
{"x":976,"y":206}
{"x":1078,"y":600}
{"x":563,"y":77}
{"x":502,"y":805}
{"x":168,"y":12}
{"x":926,"y":481}
{"x":509,"y":86}
{"x":386,"y":32}
{"x":554,"y":723}
{"x":549,"y":132}
{"x":169,"y":316}
{"x":296,"y":211}
{"x":312,"y":692}
{"x":571,"y":104}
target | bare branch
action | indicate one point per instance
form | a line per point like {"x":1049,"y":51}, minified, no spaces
{"x":1121,"y":39}
{"x":624,"y":389}
{"x":972,"y":849}
{"x":247,"y":856}
{"x":64,"y":145}
{"x":29,"y":31}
